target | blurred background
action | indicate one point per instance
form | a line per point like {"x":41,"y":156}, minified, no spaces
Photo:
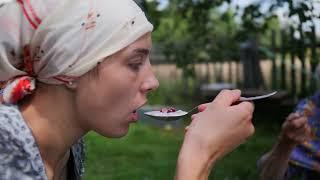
{"x":201,"y":47}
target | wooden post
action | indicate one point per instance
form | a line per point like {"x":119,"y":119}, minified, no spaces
{"x":238,"y":79}
{"x":221,"y":70}
{"x":230,"y":71}
{"x":314,"y":60}
{"x":274,"y":67}
{"x":208,"y":72}
{"x":293,"y":68}
{"x":303,"y":77}
{"x":283,"y":60}
{"x":249,"y":56}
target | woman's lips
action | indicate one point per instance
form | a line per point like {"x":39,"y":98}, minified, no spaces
{"x":134,"y":116}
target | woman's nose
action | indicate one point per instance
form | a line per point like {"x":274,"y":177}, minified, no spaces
{"x":151,"y":83}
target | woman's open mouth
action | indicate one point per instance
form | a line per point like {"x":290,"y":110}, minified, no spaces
{"x":134,"y":116}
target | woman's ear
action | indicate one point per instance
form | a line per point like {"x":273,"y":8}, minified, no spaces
{"x":72,"y":85}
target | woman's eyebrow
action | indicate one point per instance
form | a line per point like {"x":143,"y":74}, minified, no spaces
{"x":143,"y":51}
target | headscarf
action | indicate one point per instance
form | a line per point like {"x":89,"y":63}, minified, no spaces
{"x":57,"y":41}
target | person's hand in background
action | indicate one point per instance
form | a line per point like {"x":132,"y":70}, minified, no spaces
{"x":295,"y":130}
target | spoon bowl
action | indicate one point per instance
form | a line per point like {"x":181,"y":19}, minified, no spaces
{"x":172,"y":116}
{"x":166,"y":116}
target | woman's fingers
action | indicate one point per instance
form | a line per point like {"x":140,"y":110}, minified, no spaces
{"x":202,"y":107}
{"x":246,"y":108}
{"x":226,"y":98}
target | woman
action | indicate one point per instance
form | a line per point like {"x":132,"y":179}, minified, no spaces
{"x":72,"y":67}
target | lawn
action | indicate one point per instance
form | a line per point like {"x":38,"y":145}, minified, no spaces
{"x":149,"y":153}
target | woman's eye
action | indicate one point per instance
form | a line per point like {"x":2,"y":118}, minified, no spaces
{"x":136,"y":63}
{"x":135,"y":66}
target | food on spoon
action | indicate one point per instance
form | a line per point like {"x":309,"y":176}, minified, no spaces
{"x":166,"y":113}
{"x":168,"y":110}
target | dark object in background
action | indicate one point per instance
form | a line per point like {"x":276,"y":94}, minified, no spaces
{"x":249,"y":57}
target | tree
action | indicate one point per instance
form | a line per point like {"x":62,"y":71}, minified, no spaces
{"x":192,"y":31}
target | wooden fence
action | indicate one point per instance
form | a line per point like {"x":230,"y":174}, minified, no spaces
{"x":305,"y":50}
{"x":291,"y":68}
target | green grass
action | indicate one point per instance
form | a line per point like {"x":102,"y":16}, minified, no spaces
{"x":145,"y":153}
{"x":149,"y":153}
{"x":241,"y":164}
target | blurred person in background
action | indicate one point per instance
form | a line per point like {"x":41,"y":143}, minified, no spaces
{"x":296,"y":154}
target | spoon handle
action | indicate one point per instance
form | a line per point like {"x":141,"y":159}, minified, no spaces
{"x":192,"y":109}
{"x":256,"y":97}
{"x":241,"y":99}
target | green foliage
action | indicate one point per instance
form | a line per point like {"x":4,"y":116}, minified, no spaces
{"x":256,"y":22}
{"x":192,"y":31}
{"x":196,"y":30}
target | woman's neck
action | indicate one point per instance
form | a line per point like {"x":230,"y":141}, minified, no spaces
{"x":51,"y":116}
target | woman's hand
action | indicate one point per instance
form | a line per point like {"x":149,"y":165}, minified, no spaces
{"x":295,"y":130}
{"x":214,"y":132}
{"x":219,"y":123}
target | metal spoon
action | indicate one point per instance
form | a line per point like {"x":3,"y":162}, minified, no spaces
{"x":172,"y":116}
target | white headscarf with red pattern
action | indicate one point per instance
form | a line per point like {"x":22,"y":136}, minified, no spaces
{"x":56,"y":41}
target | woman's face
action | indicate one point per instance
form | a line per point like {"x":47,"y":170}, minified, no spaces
{"x":108,"y":96}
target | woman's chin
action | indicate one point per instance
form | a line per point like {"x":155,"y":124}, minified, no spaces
{"x":116,"y":133}
{"x":120,"y":134}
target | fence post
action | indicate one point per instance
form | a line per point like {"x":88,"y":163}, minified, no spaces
{"x":303,"y":63}
{"x":229,"y":71}
{"x":283,"y":59}
{"x":219,"y":71}
{"x":238,"y":78}
{"x":314,"y":60}
{"x":249,"y":56}
{"x":274,"y":67}
{"x":293,"y":68}
{"x":207,"y":70}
